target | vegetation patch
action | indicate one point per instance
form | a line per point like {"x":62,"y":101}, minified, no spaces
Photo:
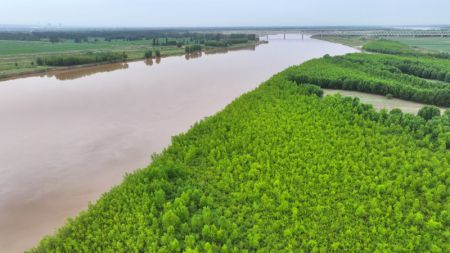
{"x":72,"y":60}
{"x":282,"y":170}
{"x":399,"y":48}
{"x":421,"y":79}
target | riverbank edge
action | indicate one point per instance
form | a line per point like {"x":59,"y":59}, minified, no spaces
{"x":339,"y":41}
{"x":36,"y":72}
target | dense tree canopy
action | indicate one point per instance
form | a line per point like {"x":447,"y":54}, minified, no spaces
{"x":71,"y":60}
{"x":428,"y":112}
{"x":425,"y":80}
{"x":281,"y":170}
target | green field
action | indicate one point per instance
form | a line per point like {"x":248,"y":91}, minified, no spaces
{"x":434,"y":43}
{"x":423,"y":44}
{"x":8,"y":47}
{"x":281,"y":169}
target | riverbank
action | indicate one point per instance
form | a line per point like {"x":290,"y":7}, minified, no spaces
{"x":32,"y":70}
{"x":352,"y":41}
{"x":68,"y":139}
{"x":279,"y":163}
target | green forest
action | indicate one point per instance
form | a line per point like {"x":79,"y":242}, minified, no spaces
{"x":284,"y":169}
{"x":71,"y":60}
{"x":420,"y":79}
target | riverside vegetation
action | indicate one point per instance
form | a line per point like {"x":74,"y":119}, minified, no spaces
{"x":283,"y":169}
{"x":37,"y":51}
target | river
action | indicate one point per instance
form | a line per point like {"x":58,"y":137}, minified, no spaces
{"x":68,"y":136}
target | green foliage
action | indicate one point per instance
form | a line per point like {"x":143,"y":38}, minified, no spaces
{"x":423,"y":79}
{"x":399,"y":48}
{"x":148,"y":54}
{"x":158,"y":53}
{"x":216,"y":43}
{"x":388,"y":47}
{"x":313,"y":89}
{"x":193,"y":48}
{"x":280,"y":170}
{"x":447,"y":113}
{"x":437,"y":44}
{"x":70,"y":60}
{"x":428,"y":112}
{"x":225,"y":42}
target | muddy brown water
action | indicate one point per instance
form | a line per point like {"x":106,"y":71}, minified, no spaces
{"x":66,"y":137}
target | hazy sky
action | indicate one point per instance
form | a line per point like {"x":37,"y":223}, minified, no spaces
{"x":157,"y":13}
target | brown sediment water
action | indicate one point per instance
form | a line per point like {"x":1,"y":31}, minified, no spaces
{"x":67,"y":137}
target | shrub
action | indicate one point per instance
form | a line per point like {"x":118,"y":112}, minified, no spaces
{"x":148,"y":54}
{"x":428,"y":112}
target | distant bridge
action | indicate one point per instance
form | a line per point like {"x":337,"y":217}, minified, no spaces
{"x":389,"y":33}
{"x":299,"y":33}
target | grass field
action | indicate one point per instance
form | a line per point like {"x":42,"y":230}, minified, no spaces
{"x":432,"y":43}
{"x":429,"y":44}
{"x":39,"y":47}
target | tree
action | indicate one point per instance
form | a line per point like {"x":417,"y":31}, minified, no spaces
{"x":170,"y":219}
{"x":148,"y":54}
{"x":54,"y":39}
{"x":39,"y":61}
{"x":428,"y":112}
{"x":447,"y":113}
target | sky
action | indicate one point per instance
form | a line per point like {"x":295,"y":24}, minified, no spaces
{"x":210,"y":13}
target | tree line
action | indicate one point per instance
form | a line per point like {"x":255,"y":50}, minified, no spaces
{"x":122,"y":34}
{"x":71,"y":60}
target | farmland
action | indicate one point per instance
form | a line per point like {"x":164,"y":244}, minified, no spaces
{"x":432,"y":43}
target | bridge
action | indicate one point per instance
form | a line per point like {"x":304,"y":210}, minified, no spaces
{"x":299,"y":33}
{"x":389,"y":33}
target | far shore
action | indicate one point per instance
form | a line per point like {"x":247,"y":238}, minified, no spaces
{"x":164,"y":54}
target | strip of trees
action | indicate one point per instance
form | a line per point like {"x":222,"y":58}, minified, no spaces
{"x":71,"y":60}
{"x":193,"y":48}
{"x":158,"y":36}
